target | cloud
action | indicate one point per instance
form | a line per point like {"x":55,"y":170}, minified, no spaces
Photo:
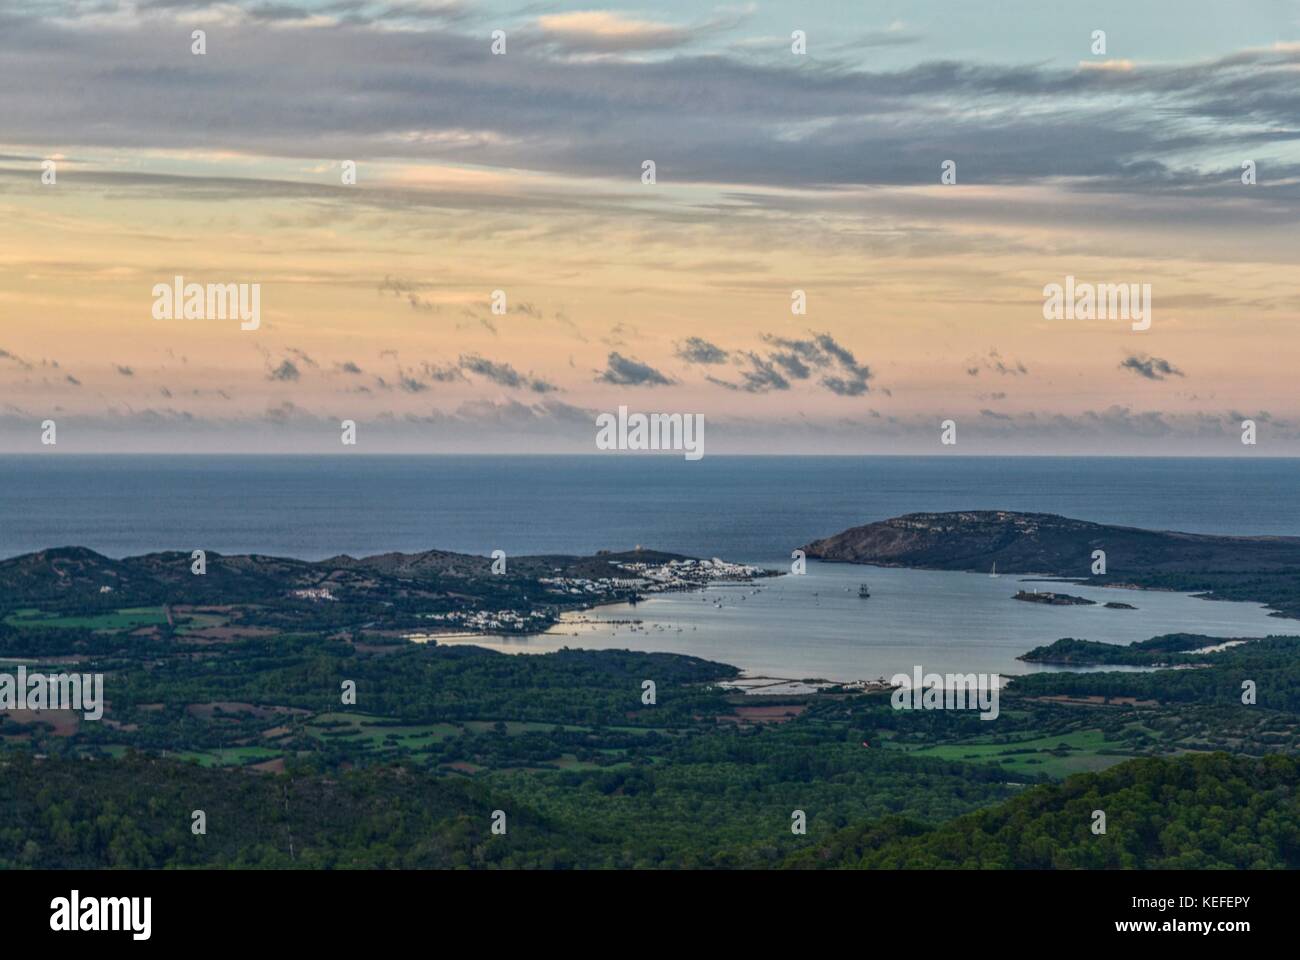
{"x":842,"y":374}
{"x":549,"y":426}
{"x":1119,"y":419}
{"x":409,"y":384}
{"x":1152,"y":368}
{"x":846,"y":386}
{"x":797,"y":359}
{"x":356,"y":12}
{"x":6,"y":355}
{"x":792,"y":365}
{"x":600,"y":31}
{"x":699,"y":350}
{"x":758,"y":375}
{"x":626,"y":372}
{"x":334,"y":93}
{"x":761,"y":376}
{"x":408,"y":10}
{"x":347,"y":366}
{"x":503,"y":374}
{"x":405,"y":289}
{"x":295,"y":352}
{"x":993,"y":361}
{"x":124,"y":370}
{"x":442,"y":373}
{"x":895,"y":35}
{"x":287,"y":412}
{"x":286,"y":372}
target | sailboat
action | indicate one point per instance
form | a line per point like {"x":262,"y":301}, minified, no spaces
{"x":994,"y":572}
{"x":863,"y":591}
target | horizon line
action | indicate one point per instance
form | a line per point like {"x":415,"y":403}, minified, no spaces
{"x":650,"y":455}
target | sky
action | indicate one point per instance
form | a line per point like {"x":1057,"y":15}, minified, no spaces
{"x":774,"y":172}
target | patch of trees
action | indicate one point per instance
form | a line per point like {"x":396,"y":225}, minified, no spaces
{"x":1198,"y":812}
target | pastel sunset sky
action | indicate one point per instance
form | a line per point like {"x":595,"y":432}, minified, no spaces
{"x":775,"y":172}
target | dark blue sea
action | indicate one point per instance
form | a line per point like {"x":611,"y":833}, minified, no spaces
{"x":744,"y":508}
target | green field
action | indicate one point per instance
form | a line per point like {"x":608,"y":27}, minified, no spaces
{"x":364,"y":728}
{"x":199,"y":621}
{"x":516,"y":727}
{"x":230,"y":757}
{"x":1055,"y":755}
{"x":125,"y":619}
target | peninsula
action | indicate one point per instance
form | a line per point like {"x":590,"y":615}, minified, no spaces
{"x":1260,"y":569}
{"x":218,"y":598}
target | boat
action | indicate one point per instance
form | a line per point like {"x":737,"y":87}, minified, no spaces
{"x":994,"y":572}
{"x":864,"y":591}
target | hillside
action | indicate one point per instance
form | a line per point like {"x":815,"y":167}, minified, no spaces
{"x":1044,"y":543}
{"x":433,"y":591}
{"x":1201,"y":812}
{"x":66,"y":572}
{"x":1262,"y":569}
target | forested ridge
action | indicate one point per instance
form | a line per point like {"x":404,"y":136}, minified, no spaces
{"x":1210,"y":811}
{"x":1197,"y":812}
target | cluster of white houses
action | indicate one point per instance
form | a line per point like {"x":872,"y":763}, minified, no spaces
{"x":487,"y":621}
{"x":313,"y":593}
{"x":642,"y":578}
{"x":655,"y":577}
{"x":679,"y":574}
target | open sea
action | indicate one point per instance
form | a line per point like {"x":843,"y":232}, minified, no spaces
{"x":752,"y":509}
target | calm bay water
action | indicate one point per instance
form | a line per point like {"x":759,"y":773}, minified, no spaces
{"x":816,"y":627}
{"x":754,"y":509}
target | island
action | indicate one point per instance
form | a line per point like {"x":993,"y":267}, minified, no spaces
{"x":1053,"y":599}
{"x":1158,"y":651}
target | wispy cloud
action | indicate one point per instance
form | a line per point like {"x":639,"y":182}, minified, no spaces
{"x":603,"y":31}
{"x":627,"y":372}
{"x":993,"y":362}
{"x":285,"y":372}
{"x":1151,"y":368}
{"x":1008,"y":123}
{"x":699,"y":350}
{"x":503,"y":374}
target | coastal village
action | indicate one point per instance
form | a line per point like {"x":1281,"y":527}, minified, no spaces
{"x":642,"y":579}
{"x":685,"y":574}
